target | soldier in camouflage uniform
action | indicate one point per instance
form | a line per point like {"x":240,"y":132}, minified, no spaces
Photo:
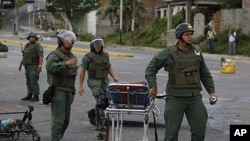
{"x":98,"y":66}
{"x":32,"y":60}
{"x":62,"y":70}
{"x":186,"y":70}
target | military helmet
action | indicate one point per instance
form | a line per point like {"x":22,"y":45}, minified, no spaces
{"x":66,"y":35}
{"x":181,"y":28}
{"x":96,"y":41}
{"x":32,"y":34}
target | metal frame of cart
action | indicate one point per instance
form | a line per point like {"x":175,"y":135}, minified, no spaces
{"x":117,"y":110}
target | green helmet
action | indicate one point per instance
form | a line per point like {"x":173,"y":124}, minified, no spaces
{"x":181,"y":28}
{"x":32,"y":34}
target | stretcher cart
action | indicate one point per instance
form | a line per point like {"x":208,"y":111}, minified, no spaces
{"x":129,"y":98}
{"x":18,"y":129}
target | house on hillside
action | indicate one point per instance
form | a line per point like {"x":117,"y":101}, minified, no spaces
{"x":96,"y":25}
{"x":209,"y":9}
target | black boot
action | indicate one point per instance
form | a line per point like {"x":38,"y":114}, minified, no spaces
{"x":92,"y":116}
{"x":35,"y":98}
{"x":28,"y":97}
{"x":100,"y":120}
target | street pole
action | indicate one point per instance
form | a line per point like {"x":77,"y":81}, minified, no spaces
{"x":33,"y":21}
{"x":33,"y":17}
{"x":15,"y":20}
{"x":121,"y":15}
{"x":16,"y":17}
{"x":29,"y":22}
{"x":133,"y":23}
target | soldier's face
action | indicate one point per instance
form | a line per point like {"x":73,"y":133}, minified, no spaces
{"x":68,"y":45}
{"x":32,"y":39}
{"x":98,"y":49}
{"x":187,"y":37}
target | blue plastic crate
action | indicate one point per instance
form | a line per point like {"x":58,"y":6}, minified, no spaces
{"x":131,"y":93}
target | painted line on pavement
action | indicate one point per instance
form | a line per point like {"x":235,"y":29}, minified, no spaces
{"x":75,"y":50}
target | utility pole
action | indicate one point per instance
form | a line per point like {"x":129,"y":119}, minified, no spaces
{"x":16,"y":14}
{"x":133,"y":23}
{"x":121,"y":15}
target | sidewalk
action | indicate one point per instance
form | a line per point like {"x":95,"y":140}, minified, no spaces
{"x":76,"y":49}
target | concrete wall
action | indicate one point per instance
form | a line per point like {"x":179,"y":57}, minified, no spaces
{"x":103,"y":27}
{"x":171,"y":39}
{"x":236,"y":18}
{"x":199,"y":24}
{"x":92,"y":21}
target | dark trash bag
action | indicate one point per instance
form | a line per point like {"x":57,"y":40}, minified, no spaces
{"x":48,"y":95}
{"x":3,"y":48}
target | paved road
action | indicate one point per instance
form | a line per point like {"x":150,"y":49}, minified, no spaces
{"x":25,"y":18}
{"x":232,"y":108}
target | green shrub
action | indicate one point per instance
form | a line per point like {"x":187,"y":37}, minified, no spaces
{"x":178,"y":18}
{"x":151,"y":35}
{"x":85,"y":37}
{"x":199,"y":39}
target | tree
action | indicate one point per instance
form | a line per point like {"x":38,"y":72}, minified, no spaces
{"x":112,"y":11}
{"x":69,"y":10}
{"x":231,"y":4}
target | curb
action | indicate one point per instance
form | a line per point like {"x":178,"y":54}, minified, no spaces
{"x":75,"y":50}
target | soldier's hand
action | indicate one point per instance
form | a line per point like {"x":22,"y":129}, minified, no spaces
{"x":116,"y":79}
{"x":213,"y":98}
{"x":153,"y":92}
{"x":71,"y":62}
{"x":81,"y":91}
{"x":20,"y":67}
{"x":39,"y":69}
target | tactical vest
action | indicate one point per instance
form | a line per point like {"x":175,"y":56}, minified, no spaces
{"x":99,"y":65}
{"x":30,"y":56}
{"x":186,"y":70}
{"x":65,"y":77}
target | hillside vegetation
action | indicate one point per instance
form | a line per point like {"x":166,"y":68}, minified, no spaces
{"x":152,"y":36}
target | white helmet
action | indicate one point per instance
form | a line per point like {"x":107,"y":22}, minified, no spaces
{"x":66,"y":35}
{"x":96,"y":41}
